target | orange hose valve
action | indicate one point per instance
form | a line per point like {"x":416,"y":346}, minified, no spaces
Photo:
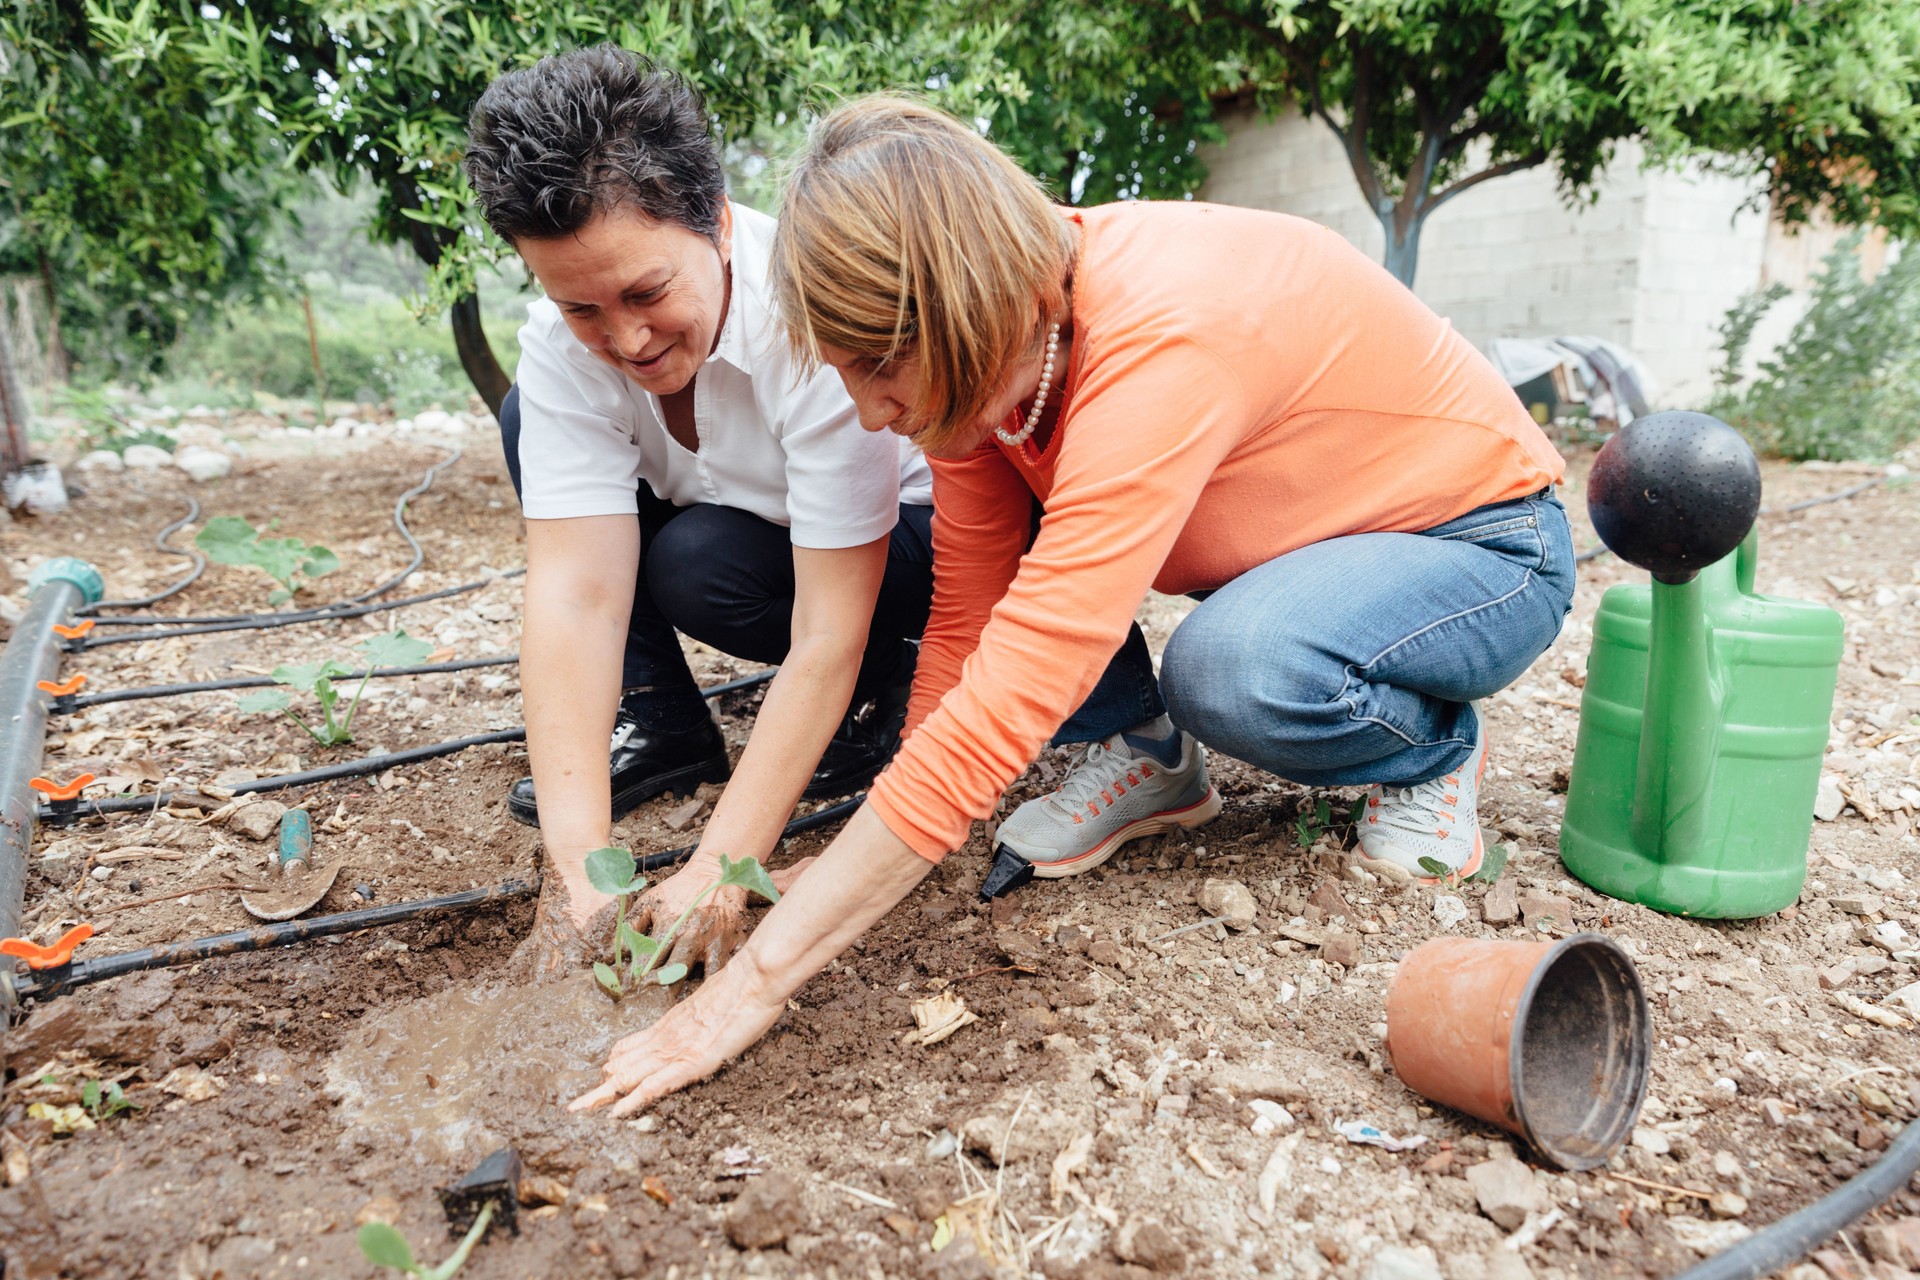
{"x":73,"y":632}
{"x":66,"y":688}
{"x":52,"y":957}
{"x":61,"y":791}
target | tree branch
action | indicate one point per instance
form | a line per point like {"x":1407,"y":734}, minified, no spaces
{"x":1472,"y":180}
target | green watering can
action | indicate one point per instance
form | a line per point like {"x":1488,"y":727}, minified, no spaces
{"x":1707,"y":706}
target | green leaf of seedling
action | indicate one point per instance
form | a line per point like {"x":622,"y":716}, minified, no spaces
{"x":227,"y":540}
{"x":396,"y":649}
{"x":319,"y":562}
{"x":279,"y":596}
{"x":280,"y":558}
{"x":307,"y":675}
{"x":635,"y":941}
{"x":265,"y":700}
{"x":671,"y":974}
{"x":604,"y":975}
{"x":1492,"y":865}
{"x":90,"y":1096}
{"x":749,"y":875}
{"x":386,"y":1247}
{"x":1435,"y":867}
{"x":610,"y":870}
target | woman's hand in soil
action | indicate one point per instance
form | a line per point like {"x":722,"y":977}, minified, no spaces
{"x":716,"y":928}
{"x":863,"y":873}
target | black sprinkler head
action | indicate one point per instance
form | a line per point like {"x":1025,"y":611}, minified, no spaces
{"x":1008,"y":872}
{"x":1674,"y":492}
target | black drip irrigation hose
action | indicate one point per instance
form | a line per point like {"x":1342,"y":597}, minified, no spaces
{"x":1794,"y":1236}
{"x":1596,"y":552}
{"x":81,"y":701}
{"x":160,"y":542}
{"x":63,"y":812}
{"x":399,"y":523}
{"x":265,"y":621}
{"x":47,"y":983}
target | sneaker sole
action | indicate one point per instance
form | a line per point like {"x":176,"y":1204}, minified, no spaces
{"x":679,"y":782}
{"x":1203,"y":810}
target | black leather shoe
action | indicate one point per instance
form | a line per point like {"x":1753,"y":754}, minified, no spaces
{"x":867,"y":737}
{"x":644,"y":764}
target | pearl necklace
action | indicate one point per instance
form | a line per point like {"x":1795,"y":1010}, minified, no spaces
{"x":1014,"y":439}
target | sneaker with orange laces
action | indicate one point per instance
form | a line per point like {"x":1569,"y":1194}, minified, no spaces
{"x":1434,"y":821}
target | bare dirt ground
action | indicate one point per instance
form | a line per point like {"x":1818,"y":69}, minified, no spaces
{"x":1103,"y":1097}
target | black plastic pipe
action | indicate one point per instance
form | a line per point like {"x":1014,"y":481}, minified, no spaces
{"x":160,"y":542}
{"x":52,"y":982}
{"x":81,"y":701}
{"x":1795,"y":1236}
{"x":72,"y":810}
{"x":31,"y":655}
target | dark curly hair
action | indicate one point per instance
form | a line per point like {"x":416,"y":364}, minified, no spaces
{"x":551,"y":146}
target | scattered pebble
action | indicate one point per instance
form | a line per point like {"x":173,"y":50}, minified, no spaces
{"x":1449,"y":911}
{"x":1507,"y":1191}
{"x":1229,"y":900}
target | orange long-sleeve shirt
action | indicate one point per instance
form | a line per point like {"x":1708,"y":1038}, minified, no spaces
{"x":1241,"y":384}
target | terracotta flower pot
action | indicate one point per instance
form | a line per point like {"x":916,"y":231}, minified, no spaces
{"x":1550,"y":1042}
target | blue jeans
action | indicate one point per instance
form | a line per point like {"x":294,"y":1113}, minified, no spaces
{"x":1350,"y":661}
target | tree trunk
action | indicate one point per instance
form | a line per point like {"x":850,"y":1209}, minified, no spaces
{"x":1403,"y":246}
{"x":58,"y":366}
{"x":476,"y":353}
{"x":13,"y":411}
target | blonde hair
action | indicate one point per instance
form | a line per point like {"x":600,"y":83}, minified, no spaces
{"x":905,"y":233}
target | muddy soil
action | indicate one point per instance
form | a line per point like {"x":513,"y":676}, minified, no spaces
{"x":284,"y":1097}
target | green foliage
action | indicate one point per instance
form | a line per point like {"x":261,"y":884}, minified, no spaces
{"x":1492,"y":864}
{"x":288,"y":561}
{"x":140,"y":199}
{"x":102,"y":425}
{"x":104,"y":1102}
{"x":395,"y":649}
{"x":384,"y":1246}
{"x":1846,"y":382}
{"x":1308,"y":827}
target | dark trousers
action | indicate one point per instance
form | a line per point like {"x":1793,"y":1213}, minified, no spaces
{"x":725,"y":577}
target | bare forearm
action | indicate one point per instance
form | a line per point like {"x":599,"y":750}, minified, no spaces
{"x":864,"y":874}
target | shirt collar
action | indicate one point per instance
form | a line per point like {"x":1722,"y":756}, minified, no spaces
{"x":744,"y":310}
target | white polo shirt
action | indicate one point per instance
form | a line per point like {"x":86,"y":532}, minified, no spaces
{"x":784,"y":447}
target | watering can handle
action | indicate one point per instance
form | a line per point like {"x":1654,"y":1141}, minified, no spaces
{"x":1746,"y":559}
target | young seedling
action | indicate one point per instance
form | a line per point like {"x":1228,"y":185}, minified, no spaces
{"x":396,"y":649}
{"x":1491,"y":866}
{"x":1309,"y":828}
{"x":386,"y":1247}
{"x":288,"y":561}
{"x":104,"y":1103}
{"x":613,"y":871}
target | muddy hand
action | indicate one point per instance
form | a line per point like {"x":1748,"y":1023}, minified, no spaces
{"x":695,"y":1038}
{"x":712,"y":932}
{"x":558,"y":944}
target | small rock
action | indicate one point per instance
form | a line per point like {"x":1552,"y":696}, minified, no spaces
{"x":678,"y":818}
{"x":1775,"y":1113}
{"x":102,"y":460}
{"x":942,"y":1144}
{"x":146,"y":457}
{"x":767,"y":1212}
{"x":1863,"y":905}
{"x":1546,"y":908}
{"x":1448,"y":910}
{"x":1883,"y":1245}
{"x":379,"y":1209}
{"x":1906,"y":999}
{"x":1507,"y":1191}
{"x":1652,"y":1141}
{"x":1146,"y":1243}
{"x":201,"y":463}
{"x":1396,"y":1263}
{"x":1105,"y":952}
{"x":1706,"y":1237}
{"x":1500,"y":906}
{"x":1328,"y":900}
{"x":1873,"y":1098}
{"x":257,"y":821}
{"x":538,"y":1188}
{"x":1341,"y":949}
{"x":1504,"y":1264}
{"x":1827,"y":801}
{"x":1834,"y":977}
{"x":1727,"y":1204}
{"x":1230,"y":900}
{"x":1269,"y":1117}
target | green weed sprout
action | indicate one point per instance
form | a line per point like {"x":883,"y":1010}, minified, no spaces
{"x":102,"y":1103}
{"x":395,"y":649}
{"x":1490,"y":868}
{"x":386,"y":1247}
{"x":231,"y":540}
{"x":613,"y":871}
{"x":1309,"y":829}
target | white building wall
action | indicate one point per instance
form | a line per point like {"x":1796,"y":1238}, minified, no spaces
{"x":1652,"y":263}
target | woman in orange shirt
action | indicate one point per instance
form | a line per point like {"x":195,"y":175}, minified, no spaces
{"x":1222,"y":402}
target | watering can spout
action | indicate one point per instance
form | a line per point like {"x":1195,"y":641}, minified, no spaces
{"x":1680,"y":730}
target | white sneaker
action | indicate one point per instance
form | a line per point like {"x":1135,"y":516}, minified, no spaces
{"x":1111,"y":796}
{"x":1437,"y":821}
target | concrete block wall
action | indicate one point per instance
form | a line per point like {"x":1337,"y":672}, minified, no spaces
{"x":1653,"y":262}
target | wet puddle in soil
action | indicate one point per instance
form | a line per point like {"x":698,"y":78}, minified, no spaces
{"x":457,"y":1074}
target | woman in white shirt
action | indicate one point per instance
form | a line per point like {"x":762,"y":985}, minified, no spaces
{"x":680,"y":474}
